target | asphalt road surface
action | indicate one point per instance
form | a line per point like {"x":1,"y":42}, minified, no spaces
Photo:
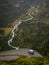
{"x":22,"y":51}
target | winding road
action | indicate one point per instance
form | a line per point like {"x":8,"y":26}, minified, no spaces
{"x":16,"y":28}
{"x":17,"y":51}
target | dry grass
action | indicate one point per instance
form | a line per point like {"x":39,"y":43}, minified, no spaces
{"x":6,"y":30}
{"x":17,"y":20}
{"x":46,"y":21}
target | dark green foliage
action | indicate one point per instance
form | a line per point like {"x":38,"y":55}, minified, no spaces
{"x":33,"y":35}
{"x":1,"y":32}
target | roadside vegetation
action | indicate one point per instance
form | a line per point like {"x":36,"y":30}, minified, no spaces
{"x":27,"y":61}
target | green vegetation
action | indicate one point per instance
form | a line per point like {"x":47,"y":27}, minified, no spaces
{"x":31,"y":34}
{"x":27,"y":61}
{"x":35,"y":33}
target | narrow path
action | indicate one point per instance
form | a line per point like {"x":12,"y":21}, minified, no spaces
{"x":16,"y":28}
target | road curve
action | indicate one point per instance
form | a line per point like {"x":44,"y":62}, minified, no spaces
{"x":16,"y":28}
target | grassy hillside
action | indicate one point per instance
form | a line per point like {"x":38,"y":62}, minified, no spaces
{"x":31,"y":34}
{"x":35,"y":33}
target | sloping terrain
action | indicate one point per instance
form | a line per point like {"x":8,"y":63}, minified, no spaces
{"x":31,"y":34}
{"x":34,"y":34}
{"x":11,"y":10}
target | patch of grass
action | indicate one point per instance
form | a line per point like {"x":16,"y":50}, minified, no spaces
{"x":6,"y":31}
{"x":27,"y":61}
